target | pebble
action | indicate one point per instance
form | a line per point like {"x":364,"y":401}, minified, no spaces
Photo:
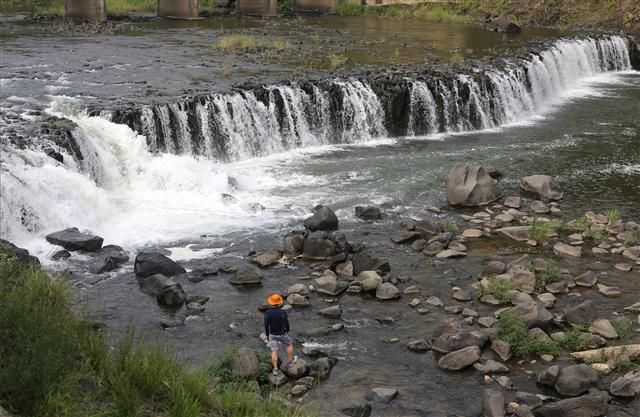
{"x":623,"y":267}
{"x":415,"y":302}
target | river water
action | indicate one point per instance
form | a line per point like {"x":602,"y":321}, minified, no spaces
{"x":572,"y":114}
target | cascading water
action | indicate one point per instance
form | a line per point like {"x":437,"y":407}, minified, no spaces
{"x":168,"y":181}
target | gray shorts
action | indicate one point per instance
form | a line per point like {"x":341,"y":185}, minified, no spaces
{"x":275,"y":339}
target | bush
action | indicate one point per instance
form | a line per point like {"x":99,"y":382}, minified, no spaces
{"x":540,"y":230}
{"x":550,"y":274}
{"x":348,"y":9}
{"x":513,"y":330}
{"x":571,"y":339}
{"x":500,"y":288}
{"x":450,"y":227}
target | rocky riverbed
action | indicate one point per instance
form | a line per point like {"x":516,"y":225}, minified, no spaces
{"x":411,"y":313}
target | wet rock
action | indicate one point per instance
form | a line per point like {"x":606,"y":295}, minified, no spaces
{"x":364,"y":261}
{"x":583,"y":313}
{"x":419,"y":345}
{"x":151,"y":263}
{"x":557,"y":287}
{"x":357,"y":410}
{"x":449,"y":253}
{"x":533,"y":314}
{"x":460,"y":358}
{"x":9,"y":250}
{"x":468,"y":185}
{"x":543,"y":185}
{"x":245,"y":363}
{"x":419,"y":245}
{"x":297,"y":369}
{"x":323,"y":219}
{"x":627,"y":385}
{"x":384,"y":394}
{"x":368,"y":213}
{"x":387,"y":291}
{"x":461,"y":294}
{"x":72,"y":239}
{"x":300,"y":289}
{"x":249,"y":275}
{"x":549,"y":376}
{"x":433,"y":248}
{"x":502,"y":24}
{"x":493,"y":403}
{"x":531,"y":400}
{"x":293,"y":245}
{"x":512,"y":201}
{"x":333,"y":312}
{"x":297,"y":300}
{"x":448,"y":339}
{"x":267,"y":258}
{"x":61,"y":254}
{"x":321,"y":368}
{"x":568,"y":250}
{"x":170,"y":323}
{"x":493,"y":268}
{"x":345,"y":269}
{"x":519,"y":233}
{"x":368,"y":280}
{"x":609,"y":291}
{"x":502,"y":349}
{"x":108,"y":262}
{"x":429,"y":227}
{"x":329,"y":285}
{"x":405,"y":236}
{"x":623,"y":267}
{"x":604,"y":328}
{"x":590,"y":405}
{"x":318,"y":246}
{"x":166,"y":291}
{"x":574,"y":380}
{"x":277,"y":380}
{"x":491,"y":367}
{"x":588,"y":279}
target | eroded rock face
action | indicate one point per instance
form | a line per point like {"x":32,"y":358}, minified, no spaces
{"x":470,"y":185}
{"x":543,"y":185}
{"x":73,"y":239}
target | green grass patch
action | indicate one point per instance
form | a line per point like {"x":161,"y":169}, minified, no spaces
{"x":540,"y":230}
{"x":114,"y":7}
{"x":427,"y":12}
{"x":243,"y":43}
{"x":450,"y":227}
{"x":349,"y":9}
{"x":572,"y":340}
{"x":549,"y":275}
{"x":500,"y":288}
{"x":511,"y":329}
{"x":57,"y":365}
{"x":613,"y":215}
{"x":624,"y":330}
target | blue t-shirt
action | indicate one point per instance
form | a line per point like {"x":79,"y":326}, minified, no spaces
{"x":276,"y":322}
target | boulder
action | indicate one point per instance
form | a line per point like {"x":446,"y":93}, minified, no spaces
{"x":321,"y":368}
{"x":627,"y":385}
{"x":519,"y":233}
{"x":368,"y":213}
{"x":323,"y":219}
{"x":460,"y":359}
{"x":317,"y":246}
{"x":493,"y":403}
{"x":583,"y":313}
{"x":297,"y":300}
{"x":405,"y":236}
{"x":502,"y":24}
{"x":249,"y":275}
{"x":293,"y":245}
{"x":387,"y":291}
{"x":300,"y":289}
{"x":364,"y":261}
{"x":588,"y":279}
{"x":384,"y":394}
{"x":549,"y":376}
{"x":108,"y":262}
{"x":73,"y":239}
{"x":297,"y":369}
{"x":533,"y":314}
{"x":166,"y":291}
{"x":9,"y":250}
{"x":151,"y":263}
{"x":575,"y":380}
{"x":267,"y":258}
{"x":429,"y":227}
{"x":543,"y":185}
{"x":590,"y":405}
{"x":469,"y":185}
{"x":449,"y":342}
{"x":419,"y":345}
{"x":277,"y":380}
{"x":333,"y":312}
{"x":329,"y":285}
{"x":564,"y":249}
{"x":246,"y":363}
{"x":368,"y":280}
{"x":604,"y":328}
{"x":491,"y":367}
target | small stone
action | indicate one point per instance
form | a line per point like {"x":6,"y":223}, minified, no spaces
{"x":624,"y":267}
{"x":472,"y":233}
{"x":423,"y":311}
{"x":461,"y":294}
{"x":547,"y":299}
{"x":434,"y":301}
{"x":502,"y":349}
{"x":386,"y":395}
{"x":564,"y":249}
{"x":453,"y":309}
{"x":467,"y":312}
{"x":448,"y":253}
{"x":411,"y":290}
{"x":419,"y":345}
{"x":609,"y":291}
{"x":512,"y":201}
{"x":588,"y":279}
{"x":504,"y":382}
{"x":487,"y":321}
{"x":415,"y":302}
{"x":604,"y":328}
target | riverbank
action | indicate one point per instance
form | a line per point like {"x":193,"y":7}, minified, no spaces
{"x":60,"y":365}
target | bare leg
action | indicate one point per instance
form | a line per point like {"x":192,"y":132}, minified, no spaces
{"x":290,"y":352}
{"x":274,"y":359}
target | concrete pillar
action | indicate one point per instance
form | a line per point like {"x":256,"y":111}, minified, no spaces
{"x":315,"y":6}
{"x":181,"y":9}
{"x":85,"y":9}
{"x":257,"y":7}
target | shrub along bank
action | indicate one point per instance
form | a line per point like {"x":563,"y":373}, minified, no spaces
{"x":55,"y":364}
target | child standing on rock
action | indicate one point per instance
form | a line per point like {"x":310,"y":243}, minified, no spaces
{"x":276,"y":328}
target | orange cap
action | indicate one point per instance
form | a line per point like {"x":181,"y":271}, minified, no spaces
{"x":275,"y":299}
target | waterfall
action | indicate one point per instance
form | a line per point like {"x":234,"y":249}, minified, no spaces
{"x":422,"y":110}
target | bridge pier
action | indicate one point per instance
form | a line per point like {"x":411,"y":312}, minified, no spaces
{"x":181,"y":9}
{"x":85,"y":9}
{"x":267,"y":8}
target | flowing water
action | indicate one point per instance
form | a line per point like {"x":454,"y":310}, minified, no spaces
{"x":231,"y":171}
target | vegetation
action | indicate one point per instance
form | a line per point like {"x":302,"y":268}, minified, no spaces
{"x":624,"y":330}
{"x":114,"y":7}
{"x":549,"y":275}
{"x":572,"y":340}
{"x":512,"y":330}
{"x":500,"y":288}
{"x":632,"y":238}
{"x":426,"y":12}
{"x":613,"y":215}
{"x":244,"y":43}
{"x":54,"y":364}
{"x":540,"y":230}
{"x":450,"y":227}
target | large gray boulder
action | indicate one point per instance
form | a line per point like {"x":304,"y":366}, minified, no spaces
{"x":387,"y":291}
{"x":321,"y":368}
{"x":590,"y":405}
{"x":460,"y":359}
{"x":470,"y":185}
{"x":533,"y":314}
{"x":543,"y":185}
{"x":365,"y":261}
{"x":329,"y":285}
{"x":245,"y":363}
{"x":151,"y":263}
{"x":166,"y":290}
{"x":583,"y":313}
{"x":450,"y":342}
{"x":368,"y":213}
{"x":292,"y":245}
{"x":368,"y":280}
{"x":108,"y":261}
{"x":323,"y":219}
{"x":9,"y":250}
{"x":73,"y":239}
{"x":249,"y":275}
{"x":574,"y":380}
{"x":627,"y":385}
{"x":297,"y":369}
{"x":318,"y":246}
{"x":493,"y":403}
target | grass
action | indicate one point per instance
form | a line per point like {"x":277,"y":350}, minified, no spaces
{"x":243,"y":43}
{"x":57,"y":365}
{"x":336,"y":60}
{"x":512,"y":330}
{"x":540,"y":230}
{"x":426,"y":12}
{"x":632,"y":238}
{"x":114,"y":7}
{"x":450,"y":227}
{"x":613,"y":215}
{"x":500,"y":288}
{"x":550,"y":274}
{"x":624,"y":330}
